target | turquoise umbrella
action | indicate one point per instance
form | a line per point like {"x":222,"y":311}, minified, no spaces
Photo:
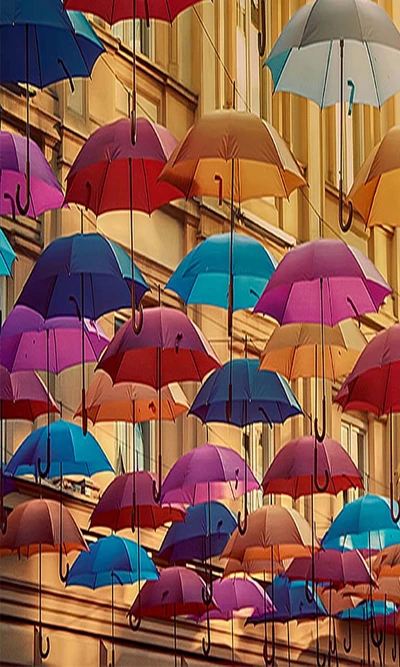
{"x":7,"y":255}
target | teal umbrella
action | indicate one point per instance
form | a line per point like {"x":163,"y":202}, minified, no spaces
{"x":7,"y":255}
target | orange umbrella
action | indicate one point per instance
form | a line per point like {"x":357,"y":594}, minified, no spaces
{"x":131,"y":402}
{"x":387,"y":588}
{"x":41,"y":525}
{"x":387,"y":562}
{"x":295,"y":350}
{"x":252,"y":567}
{"x":375,"y":192}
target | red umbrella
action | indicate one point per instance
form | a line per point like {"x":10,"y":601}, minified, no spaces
{"x":178,"y":592}
{"x":34,"y":527}
{"x":169,"y":348}
{"x":23,"y":395}
{"x":292,"y":470}
{"x":374,"y":385}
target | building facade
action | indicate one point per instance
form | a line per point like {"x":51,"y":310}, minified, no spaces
{"x":185,"y":70}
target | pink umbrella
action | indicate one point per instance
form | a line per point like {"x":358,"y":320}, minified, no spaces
{"x":374,"y":385}
{"x":45,"y":191}
{"x":169,"y":348}
{"x":178,"y":592}
{"x":292,"y":470}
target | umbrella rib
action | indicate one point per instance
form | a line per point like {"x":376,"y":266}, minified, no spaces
{"x":146,"y":188}
{"x":328,"y":62}
{"x":373,"y":74}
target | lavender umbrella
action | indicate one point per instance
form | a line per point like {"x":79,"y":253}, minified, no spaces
{"x":45,"y":191}
{"x":29,"y":342}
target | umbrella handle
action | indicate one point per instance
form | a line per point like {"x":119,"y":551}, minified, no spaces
{"x":23,"y":208}
{"x":395,"y":516}
{"x":242,"y":527}
{"x":12,"y":204}
{"x":134,"y":626}
{"x":219,"y":180}
{"x":394,"y":647}
{"x":139,"y":326}
{"x":4,"y":519}
{"x":348,"y":642}
{"x":321,"y":436}
{"x":207,"y":593}
{"x":206,"y":644}
{"x":310,"y":595}
{"x":332,"y":641}
{"x":325,"y":485}
{"x":345,"y":226}
{"x":378,"y":637}
{"x":270,"y":659}
{"x":321,"y":657}
{"x":44,"y":652}
{"x":63,"y":576}
{"x":262,"y":37}
{"x":43,"y":473}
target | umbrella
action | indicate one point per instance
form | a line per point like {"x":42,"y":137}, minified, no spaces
{"x":368,"y":612}
{"x":45,"y":191}
{"x":387,"y":562}
{"x":40,"y":45}
{"x":34,"y":527}
{"x":324,"y":45}
{"x":112,"y":560}
{"x":178,"y":592}
{"x":203,"y":275}
{"x":8,"y":483}
{"x":29,"y":342}
{"x":204,"y":533}
{"x":111,"y":174}
{"x":115,"y":507}
{"x":252,"y":567}
{"x":235,"y":598}
{"x":294,"y":466}
{"x":374,"y":385}
{"x":169,"y":348}
{"x":7,"y":255}
{"x":85,"y":275}
{"x":294,"y":350}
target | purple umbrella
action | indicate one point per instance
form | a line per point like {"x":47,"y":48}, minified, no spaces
{"x":45,"y":191}
{"x":29,"y":342}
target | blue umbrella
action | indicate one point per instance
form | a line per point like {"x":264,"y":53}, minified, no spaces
{"x":290,"y":602}
{"x":40,"y":44}
{"x":84,"y":274}
{"x":240,"y":394}
{"x":203,"y":275}
{"x":78,"y":454}
{"x":112,"y":560}
{"x":365,"y":611}
{"x":7,"y":256}
{"x":207,"y":528}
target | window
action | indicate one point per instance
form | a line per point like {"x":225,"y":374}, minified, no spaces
{"x":261,"y":454}
{"x":248,"y":59}
{"x":143,"y":35}
{"x":354,"y":440}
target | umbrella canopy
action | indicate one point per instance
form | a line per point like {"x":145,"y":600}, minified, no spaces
{"x":306,"y":57}
{"x":375,"y":192}
{"x":295,"y":350}
{"x":350,"y":283}
{"x":209,"y":472}
{"x":365,"y":524}
{"x":386,"y":589}
{"x":78,"y":454}
{"x":290,"y":603}
{"x":34,"y":526}
{"x":23,"y":395}
{"x":7,"y":254}
{"x":112,"y":11}
{"x":204,"y":533}
{"x":387,"y":562}
{"x":129,"y":402}
{"x":252,"y":567}
{"x":272,"y":531}
{"x":7,"y":484}
{"x":29,"y":342}
{"x":365,"y":610}
{"x":115,"y":507}
{"x":57,"y":276}
{"x":111,"y":560}
{"x":203,"y":275}
{"x":45,"y":192}
{"x":178,"y":592}
{"x":374,"y":383}
{"x":292,"y":469}
{"x":262,"y":162}
{"x":61,"y":45}
{"x":110,"y":173}
{"x":185,"y":353}
{"x":335,"y":567}
{"x":257,"y":396}
{"x":236,"y":598}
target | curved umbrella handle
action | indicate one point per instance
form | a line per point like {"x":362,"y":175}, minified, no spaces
{"x":394,"y":647}
{"x":321,"y":436}
{"x":345,"y":226}
{"x":395,"y":516}
{"x":63,"y":576}
{"x":135,"y":626}
{"x":12,"y":204}
{"x":321,"y":657}
{"x":139,"y":326}
{"x":44,"y":652}
{"x":347,"y":642}
{"x":206,"y":644}
{"x":325,"y":485}
{"x":262,"y":37}
{"x":207,"y":593}
{"x":157,"y":494}
{"x":378,"y":637}
{"x":23,"y":208}
{"x":332,"y":641}
{"x":4,"y":519}
{"x":270,"y":659}
{"x":242,"y":527}
{"x":220,"y":182}
{"x":43,"y":473}
{"x":310,"y":595}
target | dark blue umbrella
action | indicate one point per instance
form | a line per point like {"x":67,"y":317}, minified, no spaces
{"x":207,"y":527}
{"x":84,"y":274}
{"x":40,"y":44}
{"x":112,"y":560}
{"x":203,"y":275}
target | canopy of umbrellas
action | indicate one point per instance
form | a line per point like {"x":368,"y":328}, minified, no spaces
{"x":313,"y":293}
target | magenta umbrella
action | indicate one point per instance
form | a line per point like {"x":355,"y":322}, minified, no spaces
{"x":374,"y":385}
{"x":178,"y":592}
{"x":45,"y":191}
{"x":169,"y":348}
